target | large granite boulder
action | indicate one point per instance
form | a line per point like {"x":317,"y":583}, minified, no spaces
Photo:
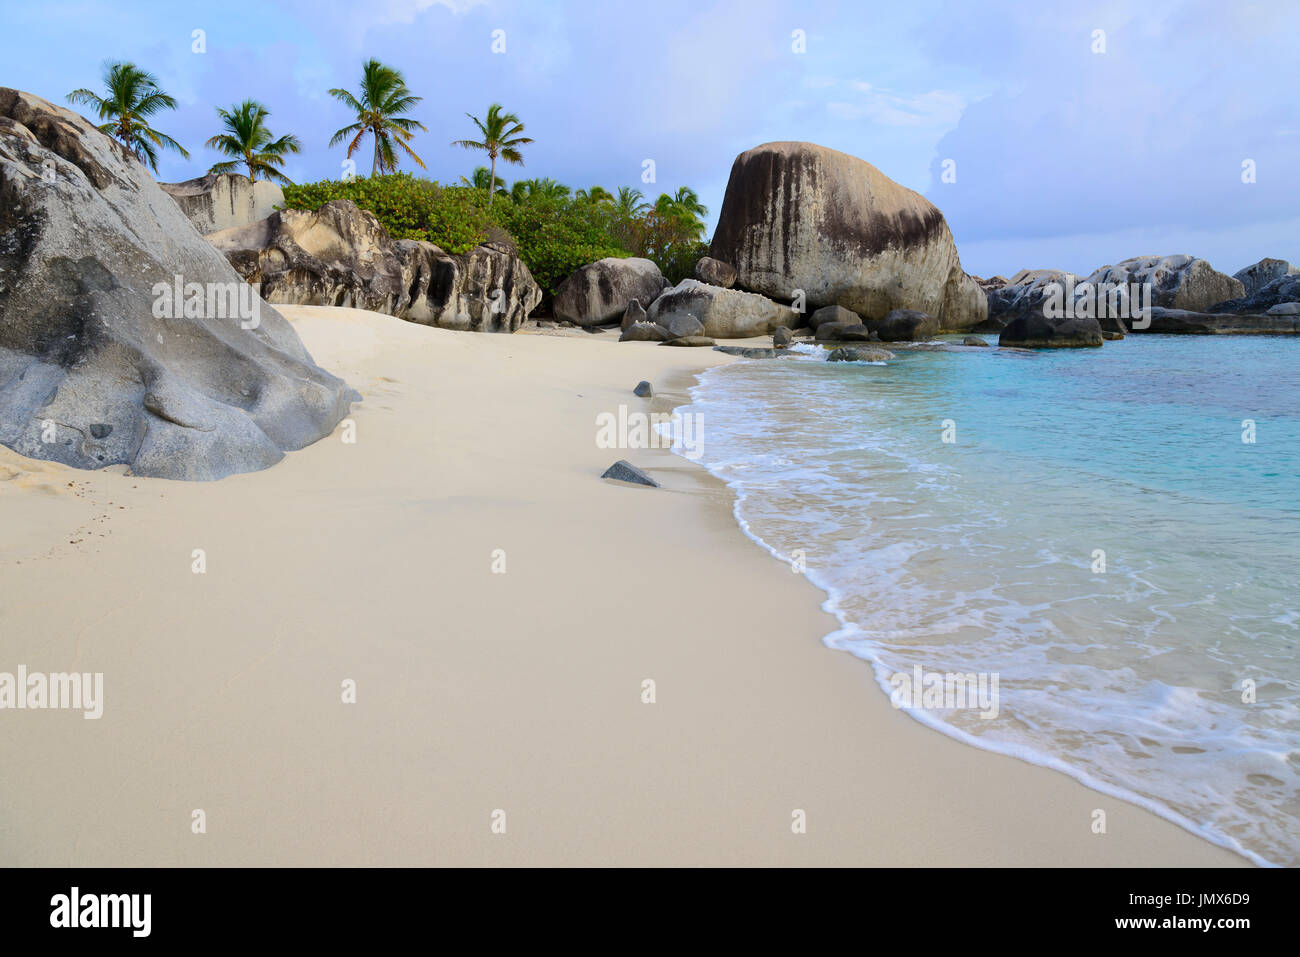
{"x":1177,"y":282}
{"x":340,"y":255}
{"x":102,"y":362}
{"x":224,"y":200}
{"x":715,"y":272}
{"x":1256,"y":277}
{"x":1024,"y":294}
{"x":599,"y":292}
{"x":801,"y":216}
{"x":1283,"y":289}
{"x":724,"y":313}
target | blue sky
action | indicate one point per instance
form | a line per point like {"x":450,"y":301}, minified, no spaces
{"x":1064,"y":157}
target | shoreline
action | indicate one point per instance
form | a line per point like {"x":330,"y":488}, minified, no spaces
{"x":479,"y":691}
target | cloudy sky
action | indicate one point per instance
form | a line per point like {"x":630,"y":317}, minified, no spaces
{"x":1064,"y":154}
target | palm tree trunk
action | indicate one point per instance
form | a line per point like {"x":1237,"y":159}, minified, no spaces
{"x":374,"y":167}
{"x":492,"y":183}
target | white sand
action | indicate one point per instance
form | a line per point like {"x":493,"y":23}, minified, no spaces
{"x":475,"y":691}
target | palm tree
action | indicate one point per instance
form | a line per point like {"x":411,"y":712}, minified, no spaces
{"x":538,"y":189}
{"x":688,"y":201}
{"x":133,"y":97}
{"x":384,"y":98}
{"x":685,"y":208}
{"x":630,"y":203}
{"x":249,"y":141}
{"x":500,"y":138}
{"x":597,"y":196}
{"x":480,"y":178}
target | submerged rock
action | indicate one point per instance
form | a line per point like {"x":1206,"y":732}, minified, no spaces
{"x":101,"y":361}
{"x":801,"y":216}
{"x":973,"y":341}
{"x":845,"y":354}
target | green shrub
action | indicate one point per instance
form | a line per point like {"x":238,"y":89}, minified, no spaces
{"x":451,"y":217}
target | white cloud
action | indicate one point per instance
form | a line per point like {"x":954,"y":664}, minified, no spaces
{"x":936,"y":108}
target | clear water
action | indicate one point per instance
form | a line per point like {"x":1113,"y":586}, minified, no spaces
{"x":981,"y":554}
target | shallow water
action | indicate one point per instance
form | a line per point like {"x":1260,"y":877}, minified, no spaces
{"x":984,"y":554}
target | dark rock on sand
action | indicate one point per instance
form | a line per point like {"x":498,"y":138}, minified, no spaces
{"x":782,"y":337}
{"x":644,"y":389}
{"x":845,"y":317}
{"x":689,"y":341}
{"x":635,"y":312}
{"x":624,"y":471}
{"x":644,"y":332}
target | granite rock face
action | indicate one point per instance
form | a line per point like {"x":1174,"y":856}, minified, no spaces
{"x":599,"y":292}
{"x":1256,"y":277}
{"x":1024,"y":294}
{"x":801,"y":216}
{"x":224,"y":200}
{"x":1283,"y":289}
{"x":1039,"y":332}
{"x":340,"y":255}
{"x":1177,"y":282}
{"x":102,"y":362}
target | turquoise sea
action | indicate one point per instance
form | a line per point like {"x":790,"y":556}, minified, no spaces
{"x":1096,"y":534}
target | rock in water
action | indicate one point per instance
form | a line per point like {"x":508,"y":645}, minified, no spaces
{"x":724,"y":313}
{"x":801,"y":216}
{"x":625,"y":471}
{"x":1256,"y":277}
{"x":644,"y":389}
{"x":715,"y":272}
{"x":1039,"y":332}
{"x":782,"y":337}
{"x":905,"y":325}
{"x":977,"y":341}
{"x":844,"y":332}
{"x":600,"y":292}
{"x":1177,"y":282}
{"x":844,"y":317}
{"x":1283,"y":289}
{"x":99,"y":364}
{"x":224,"y":200}
{"x":846,"y":354}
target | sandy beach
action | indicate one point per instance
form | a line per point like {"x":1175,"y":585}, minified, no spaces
{"x":379,"y":561}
